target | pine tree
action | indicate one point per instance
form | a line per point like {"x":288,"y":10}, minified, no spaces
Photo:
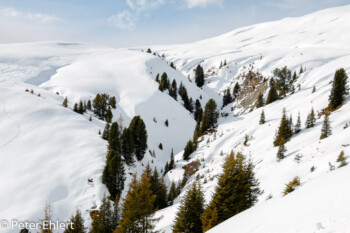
{"x":88,"y":105}
{"x":326,"y":128}
{"x":172,"y":162}
{"x":311,"y":120}
{"x":186,"y":100}
{"x":172,"y":65}
{"x":81,"y":107}
{"x":227,"y":98}
{"x":157,"y":78}
{"x":339,"y":90}
{"x":109,"y":115}
{"x":103,"y":221}
{"x":284,"y":76}
{"x":272,"y":96}
{"x":164,"y":82}
{"x":114,"y":138}
{"x":236,"y":90}
{"x":139,"y":132}
{"x":199,"y":76}
{"x":301,"y":70}
{"x":189,"y":149}
{"x":172,"y":194}
{"x":297,"y":128}
{"x":114,"y":174}
{"x":188,"y":217}
{"x":260,"y":102}
{"x":137,"y":207}
{"x":65,"y":102}
{"x":75,"y":108}
{"x":262,"y":118}
{"x":46,"y":227}
{"x":105,"y":133}
{"x":342,"y":160}
{"x":225,"y":63}
{"x":158,"y":188}
{"x":127,"y":147}
{"x":281,"y":150}
{"x":198,"y":112}
{"x":236,"y":191}
{"x":295,"y":76}
{"x":173,"y":90}
{"x":210,"y":116}
{"x":284,"y":132}
{"x":166,"y":168}
{"x":76,"y":224}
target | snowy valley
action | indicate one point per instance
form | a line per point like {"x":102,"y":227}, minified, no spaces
{"x":53,"y":155}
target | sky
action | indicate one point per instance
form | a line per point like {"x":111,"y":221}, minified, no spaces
{"x":128,"y":23}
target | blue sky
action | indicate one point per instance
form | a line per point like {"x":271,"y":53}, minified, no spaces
{"x":124,"y":23}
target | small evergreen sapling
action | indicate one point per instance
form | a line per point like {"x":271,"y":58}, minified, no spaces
{"x":326,"y":128}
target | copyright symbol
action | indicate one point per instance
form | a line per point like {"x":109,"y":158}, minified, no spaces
{"x":4,"y":224}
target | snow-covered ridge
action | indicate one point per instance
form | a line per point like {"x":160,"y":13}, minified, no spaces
{"x":50,"y":152}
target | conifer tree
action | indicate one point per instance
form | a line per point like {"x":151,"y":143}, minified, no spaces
{"x":137,"y":207}
{"x":88,"y":105}
{"x":81,"y":107}
{"x":139,"y":132}
{"x":281,"y":150}
{"x":260,"y":102}
{"x":186,"y":100}
{"x":159,"y":188}
{"x":311,"y":120}
{"x":295,"y":77}
{"x":199,"y":76}
{"x":326,"y":128}
{"x":166,"y":168}
{"x":342,"y":160}
{"x":210,"y":116}
{"x":173,"y":90}
{"x":75,"y":108}
{"x":172,"y":162}
{"x":236,"y":90}
{"x":262,"y":118}
{"x":114,"y":174}
{"x":164,"y":82}
{"x":198,"y":112}
{"x":272,"y":96}
{"x":128,"y":147}
{"x":225,"y":63}
{"x":236,"y":191}
{"x":172,"y":194}
{"x":189,"y":149}
{"x":301,"y":70}
{"x":65,"y":102}
{"x":190,"y":105}
{"x":114,"y":138}
{"x":103,"y":220}
{"x":105,"y":133}
{"x":285,"y":76}
{"x":157,"y":78}
{"x":297,"y":128}
{"x":339,"y":89}
{"x":227,"y":98}
{"x":284,"y":132}
{"x":188,"y":217}
{"x":46,"y":227}
{"x":109,"y":115}
{"x":76,"y":224}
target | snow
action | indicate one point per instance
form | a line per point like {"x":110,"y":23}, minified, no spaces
{"x":320,"y":205}
{"x":49,"y":152}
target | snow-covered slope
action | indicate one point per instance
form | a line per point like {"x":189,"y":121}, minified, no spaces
{"x":311,"y":41}
{"x":49,"y":152}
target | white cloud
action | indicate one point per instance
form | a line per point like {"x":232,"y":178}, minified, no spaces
{"x":123,"y":20}
{"x":44,"y":18}
{"x":202,"y":3}
{"x":127,"y":19}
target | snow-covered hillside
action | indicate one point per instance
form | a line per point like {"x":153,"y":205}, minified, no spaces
{"x":49,"y":152}
{"x":310,"y":41}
